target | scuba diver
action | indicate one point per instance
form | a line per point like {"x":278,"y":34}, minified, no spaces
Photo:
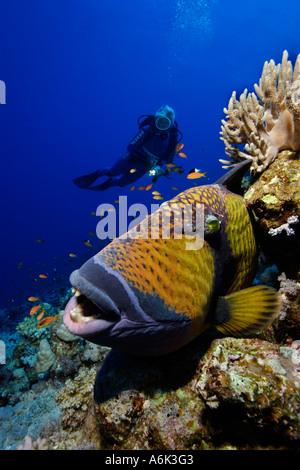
{"x":150,"y":150}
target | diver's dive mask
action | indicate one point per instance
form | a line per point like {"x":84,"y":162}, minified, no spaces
{"x":164,"y":118}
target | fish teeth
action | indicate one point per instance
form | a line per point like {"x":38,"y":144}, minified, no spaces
{"x":76,"y":292}
{"x":73,"y":315}
{"x":77,"y":315}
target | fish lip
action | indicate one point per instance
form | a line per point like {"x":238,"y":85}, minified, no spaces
{"x":103,"y":305}
{"x":94,"y":294}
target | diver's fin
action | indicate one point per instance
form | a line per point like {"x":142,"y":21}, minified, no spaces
{"x":233,"y":178}
{"x":107,"y":184}
{"x":247,"y":311}
{"x":86,"y":180}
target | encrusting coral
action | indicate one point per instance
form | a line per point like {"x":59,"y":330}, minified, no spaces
{"x":268,"y":122}
{"x":45,"y":357}
{"x":29,"y":444}
{"x":241,"y":394}
{"x":274,"y":201}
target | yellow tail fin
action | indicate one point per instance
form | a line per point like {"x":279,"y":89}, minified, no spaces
{"x":247,"y":311}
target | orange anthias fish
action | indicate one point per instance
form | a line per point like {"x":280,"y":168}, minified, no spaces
{"x":46,"y":321}
{"x":152,"y":294}
{"x":43,"y":276}
{"x":132,"y":188}
{"x":133,"y":170}
{"x":33,"y":299}
{"x":149,"y":187}
{"x":179,"y":147}
{"x":40,"y":315}
{"x":183,"y":155}
{"x":72,"y":255}
{"x":87,"y":243}
{"x":194,"y":174}
{"x":35,"y":309}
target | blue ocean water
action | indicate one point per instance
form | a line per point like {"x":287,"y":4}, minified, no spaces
{"x":77,"y":75}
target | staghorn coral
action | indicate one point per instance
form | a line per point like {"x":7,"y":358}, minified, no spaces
{"x":265,"y":123}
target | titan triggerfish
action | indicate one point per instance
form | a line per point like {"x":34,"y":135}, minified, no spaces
{"x":151,"y":295}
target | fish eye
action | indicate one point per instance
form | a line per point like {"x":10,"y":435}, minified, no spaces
{"x":212,"y":225}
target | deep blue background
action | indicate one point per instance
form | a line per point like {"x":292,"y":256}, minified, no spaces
{"x":78,"y":73}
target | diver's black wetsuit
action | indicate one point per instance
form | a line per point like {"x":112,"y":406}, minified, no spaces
{"x":150,"y":148}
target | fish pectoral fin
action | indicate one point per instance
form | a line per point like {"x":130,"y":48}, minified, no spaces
{"x":247,"y":311}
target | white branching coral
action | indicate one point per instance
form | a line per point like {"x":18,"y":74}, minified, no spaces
{"x":285,"y":227}
{"x":265,"y":122}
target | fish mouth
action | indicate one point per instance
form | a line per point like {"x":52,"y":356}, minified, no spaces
{"x":90,"y":310}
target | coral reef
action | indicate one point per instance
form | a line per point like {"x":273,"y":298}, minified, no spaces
{"x":274,"y":199}
{"x":285,"y":329}
{"x":241,"y":394}
{"x":28,"y":329}
{"x":64,"y":334}
{"x":45,"y":358}
{"x":36,"y":413}
{"x":77,"y":423}
{"x":39,"y":444}
{"x":43,"y":368}
{"x":268,"y":122}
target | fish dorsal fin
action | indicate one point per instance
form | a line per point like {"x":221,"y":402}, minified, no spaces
{"x":232,"y":179}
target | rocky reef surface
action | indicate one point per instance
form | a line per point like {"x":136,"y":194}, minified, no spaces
{"x":241,"y":394}
{"x":274,"y":199}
